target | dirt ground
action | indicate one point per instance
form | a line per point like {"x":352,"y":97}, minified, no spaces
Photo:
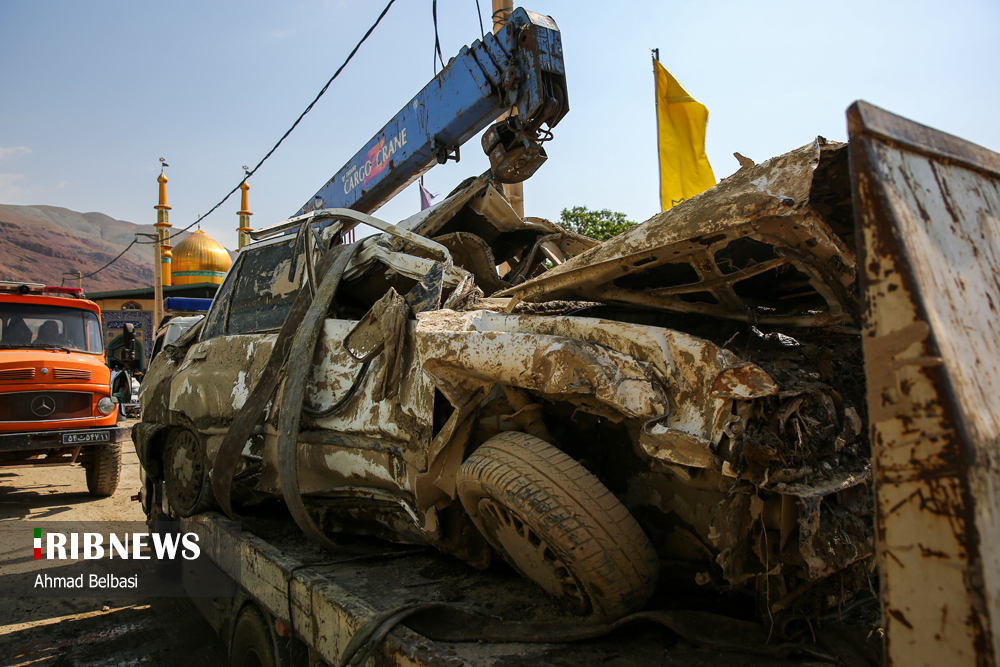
{"x":91,"y":632}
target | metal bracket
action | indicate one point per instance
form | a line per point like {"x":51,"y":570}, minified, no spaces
{"x":442,"y":153}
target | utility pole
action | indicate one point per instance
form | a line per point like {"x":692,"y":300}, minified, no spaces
{"x":157,"y":286}
{"x":513,"y":191}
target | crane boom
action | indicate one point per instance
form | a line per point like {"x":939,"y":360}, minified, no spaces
{"x":521,"y":67}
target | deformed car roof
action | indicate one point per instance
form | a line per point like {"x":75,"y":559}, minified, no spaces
{"x":770,"y":244}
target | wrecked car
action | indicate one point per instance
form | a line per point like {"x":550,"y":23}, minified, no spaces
{"x":686,"y":399}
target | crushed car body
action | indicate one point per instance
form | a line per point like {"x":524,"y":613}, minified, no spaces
{"x":759,"y":248}
{"x":686,"y":399}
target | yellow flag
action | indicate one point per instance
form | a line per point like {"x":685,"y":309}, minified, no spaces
{"x":680,"y":130}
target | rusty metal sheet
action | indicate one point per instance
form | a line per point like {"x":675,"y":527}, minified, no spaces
{"x":761,"y":246}
{"x":928,"y":212}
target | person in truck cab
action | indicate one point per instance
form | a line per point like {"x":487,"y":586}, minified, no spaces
{"x":48,"y":334}
{"x":16,"y":332}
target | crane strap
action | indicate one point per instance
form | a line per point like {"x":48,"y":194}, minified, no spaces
{"x":330,"y":268}
{"x":290,"y":415}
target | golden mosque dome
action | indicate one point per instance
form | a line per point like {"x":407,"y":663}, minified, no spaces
{"x":199,"y":259}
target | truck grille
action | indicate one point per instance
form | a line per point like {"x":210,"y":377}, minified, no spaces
{"x":32,"y":406}
{"x":70,"y":374}
{"x":17,"y":374}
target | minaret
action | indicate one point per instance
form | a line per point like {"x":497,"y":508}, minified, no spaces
{"x":162,"y":246}
{"x":243,"y":231}
{"x":163,"y":229}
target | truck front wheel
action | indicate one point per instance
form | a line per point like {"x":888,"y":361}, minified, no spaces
{"x":103,"y":469}
{"x":558,"y":525}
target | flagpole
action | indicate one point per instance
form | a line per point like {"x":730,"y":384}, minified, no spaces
{"x":656,"y":109}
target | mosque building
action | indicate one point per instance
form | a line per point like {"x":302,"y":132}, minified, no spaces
{"x":198,"y":259}
{"x":195,"y":268}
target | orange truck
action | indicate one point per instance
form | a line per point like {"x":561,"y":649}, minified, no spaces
{"x":57,"y":407}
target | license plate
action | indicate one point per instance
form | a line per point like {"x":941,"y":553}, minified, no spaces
{"x":86,"y":438}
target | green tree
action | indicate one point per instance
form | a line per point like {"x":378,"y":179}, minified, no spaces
{"x":600,"y":225}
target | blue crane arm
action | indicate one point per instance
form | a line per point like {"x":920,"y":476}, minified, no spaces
{"x":520,"y":67}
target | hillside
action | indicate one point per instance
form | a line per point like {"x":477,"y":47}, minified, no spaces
{"x":39,"y":243}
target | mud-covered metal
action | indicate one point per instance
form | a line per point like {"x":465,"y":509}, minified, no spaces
{"x":928,"y":207}
{"x":756,"y":248}
{"x":739,"y":449}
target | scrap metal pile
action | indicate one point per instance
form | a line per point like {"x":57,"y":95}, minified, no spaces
{"x":692,"y":390}
{"x":774,"y":496}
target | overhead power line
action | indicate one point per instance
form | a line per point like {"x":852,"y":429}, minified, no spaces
{"x":134,"y":241}
{"x":479,"y":13}
{"x":250,"y":173}
{"x":437,"y":42}
{"x":297,"y":120}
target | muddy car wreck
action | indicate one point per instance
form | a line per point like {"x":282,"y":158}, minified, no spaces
{"x":686,"y":399}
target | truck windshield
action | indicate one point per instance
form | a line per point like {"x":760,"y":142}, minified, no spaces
{"x":25,"y":325}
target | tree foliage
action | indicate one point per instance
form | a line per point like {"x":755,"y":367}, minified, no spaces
{"x":600,"y":225}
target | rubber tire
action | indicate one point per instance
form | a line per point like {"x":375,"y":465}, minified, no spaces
{"x":593,"y":535}
{"x":252,"y":645}
{"x":181,"y":506}
{"x":104,"y":469}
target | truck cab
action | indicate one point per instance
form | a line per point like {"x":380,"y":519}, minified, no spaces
{"x":56,"y":402}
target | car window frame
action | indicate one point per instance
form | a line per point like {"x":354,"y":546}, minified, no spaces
{"x":221,"y":301}
{"x":229,"y":284}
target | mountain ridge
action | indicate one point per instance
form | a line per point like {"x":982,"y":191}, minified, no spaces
{"x":40,"y":243}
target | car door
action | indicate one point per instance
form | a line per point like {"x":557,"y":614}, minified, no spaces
{"x":220,"y":370}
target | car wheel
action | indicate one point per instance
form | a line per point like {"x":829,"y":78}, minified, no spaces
{"x":558,"y":525}
{"x":251,"y":646}
{"x":185,"y":475}
{"x":104,"y":469}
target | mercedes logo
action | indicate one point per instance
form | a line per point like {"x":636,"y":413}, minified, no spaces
{"x":43,"y":406}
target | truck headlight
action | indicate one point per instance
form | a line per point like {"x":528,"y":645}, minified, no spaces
{"x":106,"y":406}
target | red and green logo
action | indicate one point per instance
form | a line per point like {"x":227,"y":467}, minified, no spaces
{"x":38,"y":543}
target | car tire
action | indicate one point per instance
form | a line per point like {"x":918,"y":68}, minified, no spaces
{"x":185,"y":474}
{"x":558,"y":525}
{"x":252,"y":645}
{"x":104,"y":469}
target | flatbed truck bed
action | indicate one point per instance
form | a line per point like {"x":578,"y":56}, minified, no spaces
{"x":314,"y":602}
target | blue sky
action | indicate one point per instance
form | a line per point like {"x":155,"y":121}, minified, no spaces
{"x":94,"y":93}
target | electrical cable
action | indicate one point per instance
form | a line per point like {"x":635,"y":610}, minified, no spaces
{"x":275,"y":147}
{"x":500,"y":17}
{"x":106,"y":265}
{"x":297,"y":120}
{"x":479,"y":13}
{"x":437,"y":42}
